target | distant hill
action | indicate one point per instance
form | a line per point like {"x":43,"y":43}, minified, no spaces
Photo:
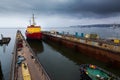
{"x":98,"y":25}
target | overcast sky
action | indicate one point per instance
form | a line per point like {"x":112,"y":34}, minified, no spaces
{"x":58,"y":13}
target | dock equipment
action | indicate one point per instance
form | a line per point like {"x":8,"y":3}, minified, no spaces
{"x":25,"y":72}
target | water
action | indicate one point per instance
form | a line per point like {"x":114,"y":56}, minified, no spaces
{"x":63,"y":64}
{"x":60,"y":62}
{"x":6,"y":51}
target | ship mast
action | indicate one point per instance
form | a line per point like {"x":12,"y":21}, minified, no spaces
{"x":30,"y":22}
{"x":33,"y":19}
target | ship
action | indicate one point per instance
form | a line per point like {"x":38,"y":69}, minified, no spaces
{"x":93,"y":72}
{"x":33,"y":32}
{"x":4,"y":40}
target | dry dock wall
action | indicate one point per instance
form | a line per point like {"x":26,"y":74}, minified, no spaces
{"x":14,"y":67}
{"x":112,"y":58}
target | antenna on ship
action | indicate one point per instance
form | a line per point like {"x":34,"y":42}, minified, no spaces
{"x":30,"y":22}
{"x":33,"y":20}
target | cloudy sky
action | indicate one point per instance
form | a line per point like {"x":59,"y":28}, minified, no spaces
{"x":58,"y":13}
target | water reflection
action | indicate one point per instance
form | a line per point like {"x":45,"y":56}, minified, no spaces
{"x":61,"y":63}
{"x":36,"y":46}
{"x":4,"y":47}
{"x":57,"y":66}
{"x":79,"y":58}
{"x":5,"y":51}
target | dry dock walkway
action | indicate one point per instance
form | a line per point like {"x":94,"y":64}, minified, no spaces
{"x":36,"y":70}
{"x":33,"y":67}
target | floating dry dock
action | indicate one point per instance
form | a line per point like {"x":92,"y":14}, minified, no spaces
{"x":25,"y":65}
{"x":102,"y":50}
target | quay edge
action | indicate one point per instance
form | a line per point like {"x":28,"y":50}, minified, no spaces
{"x":111,"y":58}
{"x":1,"y":73}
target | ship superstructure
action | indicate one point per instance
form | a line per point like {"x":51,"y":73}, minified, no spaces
{"x":33,"y":31}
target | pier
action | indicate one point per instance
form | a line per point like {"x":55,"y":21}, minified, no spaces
{"x":25,"y":65}
{"x":102,"y":50}
{"x":1,"y":73}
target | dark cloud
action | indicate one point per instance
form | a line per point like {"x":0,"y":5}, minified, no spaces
{"x":98,"y":6}
{"x":91,"y":8}
{"x":76,"y":8}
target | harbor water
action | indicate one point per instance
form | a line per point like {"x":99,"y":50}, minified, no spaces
{"x":60,"y":62}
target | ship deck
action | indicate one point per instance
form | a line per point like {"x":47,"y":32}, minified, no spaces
{"x":36,"y":70}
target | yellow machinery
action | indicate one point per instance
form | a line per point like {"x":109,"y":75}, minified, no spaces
{"x":25,"y":72}
{"x":116,"y":41}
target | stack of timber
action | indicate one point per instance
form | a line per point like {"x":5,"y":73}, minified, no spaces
{"x":25,"y":65}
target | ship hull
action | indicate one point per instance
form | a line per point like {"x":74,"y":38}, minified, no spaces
{"x":34,"y":36}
